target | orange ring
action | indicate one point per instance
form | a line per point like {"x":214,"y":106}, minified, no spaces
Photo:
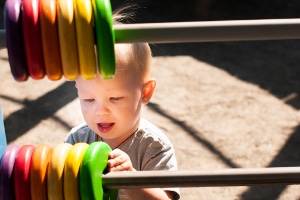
{"x":50,"y":41}
{"x":38,"y":172}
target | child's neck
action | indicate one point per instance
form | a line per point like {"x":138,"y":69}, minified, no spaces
{"x":115,"y":144}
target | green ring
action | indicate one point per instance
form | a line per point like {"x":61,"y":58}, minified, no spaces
{"x":90,"y":177}
{"x":105,"y":38}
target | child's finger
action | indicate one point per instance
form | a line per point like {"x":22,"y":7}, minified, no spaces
{"x":115,"y":153}
{"x":125,"y":166}
{"x":120,"y":168}
{"x":119,"y":160}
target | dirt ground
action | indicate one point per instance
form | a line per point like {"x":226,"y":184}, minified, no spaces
{"x":223,"y":105}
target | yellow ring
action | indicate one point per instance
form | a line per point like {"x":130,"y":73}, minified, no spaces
{"x":71,"y":171}
{"x":55,"y":172}
{"x":85,"y":38}
{"x":67,"y":39}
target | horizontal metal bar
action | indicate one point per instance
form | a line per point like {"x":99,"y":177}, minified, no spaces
{"x":210,"y":178}
{"x":209,"y":31}
{"x":203,"y":31}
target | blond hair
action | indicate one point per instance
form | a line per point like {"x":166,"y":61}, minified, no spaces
{"x":139,"y":55}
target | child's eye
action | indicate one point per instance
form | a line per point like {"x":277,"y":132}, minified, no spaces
{"x":88,"y":100}
{"x":115,"y":98}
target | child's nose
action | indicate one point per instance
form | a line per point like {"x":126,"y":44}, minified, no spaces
{"x":101,"y":109}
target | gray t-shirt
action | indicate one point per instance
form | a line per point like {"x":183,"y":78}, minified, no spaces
{"x":148,"y":148}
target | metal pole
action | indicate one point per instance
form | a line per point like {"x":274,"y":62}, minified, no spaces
{"x":211,"y":178}
{"x":204,"y":31}
{"x":209,"y":31}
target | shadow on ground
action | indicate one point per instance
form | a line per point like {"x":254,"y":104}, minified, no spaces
{"x":21,"y":121}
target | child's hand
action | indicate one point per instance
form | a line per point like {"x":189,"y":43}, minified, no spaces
{"x":119,"y":161}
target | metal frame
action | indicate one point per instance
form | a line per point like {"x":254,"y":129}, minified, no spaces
{"x":211,"y":178}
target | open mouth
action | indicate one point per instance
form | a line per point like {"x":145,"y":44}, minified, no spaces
{"x":105,"y":127}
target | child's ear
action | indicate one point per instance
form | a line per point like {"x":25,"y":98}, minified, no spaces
{"x":148,"y":90}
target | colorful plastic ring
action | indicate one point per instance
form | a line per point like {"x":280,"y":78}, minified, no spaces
{"x":93,"y":164}
{"x":6,"y":173}
{"x":50,"y":41}
{"x":71,"y":171}
{"x":55,"y":172}
{"x":67,"y":39}
{"x":85,"y":38}
{"x":21,"y":173}
{"x":38,"y":172}
{"x":32,"y":38}
{"x":105,"y":38}
{"x":14,"y":40}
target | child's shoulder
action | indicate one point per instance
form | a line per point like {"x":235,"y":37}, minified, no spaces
{"x":147,"y":125}
{"x":153,"y":133}
{"x":81,"y":128}
{"x":81,"y":133}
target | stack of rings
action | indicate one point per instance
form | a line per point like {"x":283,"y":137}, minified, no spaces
{"x":64,"y":172}
{"x":59,"y":38}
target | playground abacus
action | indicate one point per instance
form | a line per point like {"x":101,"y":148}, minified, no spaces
{"x":59,"y":41}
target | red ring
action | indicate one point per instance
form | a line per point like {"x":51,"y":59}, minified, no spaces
{"x":32,"y":38}
{"x":21,"y":173}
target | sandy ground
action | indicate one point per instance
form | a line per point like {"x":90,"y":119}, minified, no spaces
{"x":223,"y":105}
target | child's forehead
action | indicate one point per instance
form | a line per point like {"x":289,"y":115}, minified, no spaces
{"x":124,"y":61}
{"x":122,"y":53}
{"x":115,"y":84}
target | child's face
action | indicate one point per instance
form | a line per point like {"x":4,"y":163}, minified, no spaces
{"x":111,"y":107}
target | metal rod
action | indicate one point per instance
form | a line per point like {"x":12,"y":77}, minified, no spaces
{"x":209,"y":31}
{"x":211,"y":178}
{"x":203,"y":31}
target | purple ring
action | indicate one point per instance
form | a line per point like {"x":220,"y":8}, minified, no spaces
{"x":14,"y":40}
{"x":6,"y":173}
